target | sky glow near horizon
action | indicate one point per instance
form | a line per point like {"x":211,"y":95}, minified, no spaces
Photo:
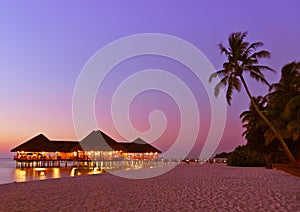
{"x":44,"y":46}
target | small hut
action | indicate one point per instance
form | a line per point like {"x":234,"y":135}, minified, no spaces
{"x":35,"y":148}
{"x":99,"y":146}
{"x":140,"y":149}
{"x":39,"y":151}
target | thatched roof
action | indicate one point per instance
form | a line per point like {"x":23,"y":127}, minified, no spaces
{"x":97,"y":141}
{"x":65,"y":146}
{"x":39,"y":143}
{"x":140,"y":146}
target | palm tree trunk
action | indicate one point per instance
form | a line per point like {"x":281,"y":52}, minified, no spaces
{"x":285,"y":147}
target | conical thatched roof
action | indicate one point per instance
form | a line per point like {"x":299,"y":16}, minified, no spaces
{"x":39,"y":143}
{"x":97,"y":141}
{"x":140,"y":146}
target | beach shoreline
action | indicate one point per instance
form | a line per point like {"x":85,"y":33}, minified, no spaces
{"x":187,"y":187}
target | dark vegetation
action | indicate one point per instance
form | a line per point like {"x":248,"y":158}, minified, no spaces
{"x":272,"y":122}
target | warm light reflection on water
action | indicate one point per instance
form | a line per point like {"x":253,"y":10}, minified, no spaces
{"x":29,"y":174}
{"x":20,"y":175}
{"x":56,"y":173}
{"x":9,"y":173}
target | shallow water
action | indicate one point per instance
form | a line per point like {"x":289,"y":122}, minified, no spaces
{"x":9,"y":173}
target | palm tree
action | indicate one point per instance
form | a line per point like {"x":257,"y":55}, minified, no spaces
{"x":243,"y":58}
{"x":292,"y":114}
{"x":255,"y":128}
{"x":287,"y":87}
{"x":285,"y":100}
{"x":252,"y":121}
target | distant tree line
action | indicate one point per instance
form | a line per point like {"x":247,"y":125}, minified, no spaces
{"x":222,"y":155}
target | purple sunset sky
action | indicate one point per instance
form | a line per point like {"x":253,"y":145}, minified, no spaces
{"x":44,"y":46}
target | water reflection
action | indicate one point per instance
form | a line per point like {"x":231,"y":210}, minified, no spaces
{"x":29,"y":174}
{"x":56,"y":173}
{"x":20,"y":175}
{"x":9,"y":173}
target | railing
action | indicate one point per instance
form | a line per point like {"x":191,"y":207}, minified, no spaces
{"x":77,"y":158}
{"x":42,"y":158}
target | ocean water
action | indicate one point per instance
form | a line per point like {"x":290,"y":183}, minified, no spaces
{"x":7,"y":167}
{"x":9,"y":173}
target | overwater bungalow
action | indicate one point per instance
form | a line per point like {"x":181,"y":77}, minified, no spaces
{"x":140,"y":149}
{"x":99,"y":146}
{"x":42,"y":152}
{"x":95,"y":149}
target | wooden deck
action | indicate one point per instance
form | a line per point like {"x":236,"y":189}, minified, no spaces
{"x":83,"y":162}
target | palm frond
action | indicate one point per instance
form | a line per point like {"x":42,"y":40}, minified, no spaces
{"x":213,"y":75}
{"x":220,"y":85}
{"x":293,"y":128}
{"x":261,"y":68}
{"x":245,"y":113}
{"x":245,"y":125}
{"x":275,"y":86}
{"x":244,"y":35}
{"x":220,"y":73}
{"x":237,"y":84}
{"x":229,"y":92}
{"x":259,"y":77}
{"x":244,"y":133}
{"x":261,"y":54}
{"x":227,"y":67}
{"x":223,"y":50}
{"x":254,"y":46}
{"x":292,"y":104}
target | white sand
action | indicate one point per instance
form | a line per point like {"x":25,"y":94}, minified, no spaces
{"x":209,"y":187}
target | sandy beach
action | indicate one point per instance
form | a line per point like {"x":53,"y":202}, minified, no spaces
{"x":208,"y":187}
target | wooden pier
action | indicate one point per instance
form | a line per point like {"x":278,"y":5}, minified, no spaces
{"x":43,"y":162}
{"x":91,"y":164}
